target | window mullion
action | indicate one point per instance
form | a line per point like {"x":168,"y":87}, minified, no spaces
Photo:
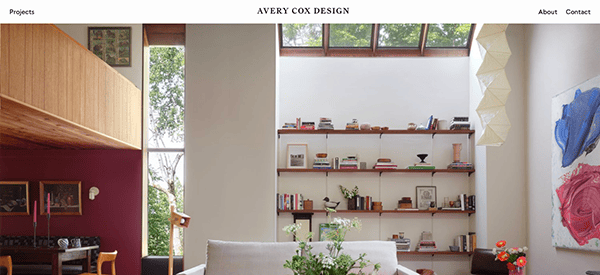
{"x":374,"y":37}
{"x":326,"y":39}
{"x":423,"y":39}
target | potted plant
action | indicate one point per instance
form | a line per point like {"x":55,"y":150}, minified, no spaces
{"x":334,"y":263}
{"x":351,"y":195}
{"x":514,"y":257}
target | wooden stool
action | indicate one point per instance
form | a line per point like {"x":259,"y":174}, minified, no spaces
{"x":103,"y":257}
{"x":6,"y":261}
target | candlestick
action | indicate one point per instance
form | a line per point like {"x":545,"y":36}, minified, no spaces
{"x":48,"y":204}
{"x":35,"y":211}
{"x":48,"y":226}
{"x":34,"y":223}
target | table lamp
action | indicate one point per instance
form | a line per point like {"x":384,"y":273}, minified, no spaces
{"x":179,"y":220}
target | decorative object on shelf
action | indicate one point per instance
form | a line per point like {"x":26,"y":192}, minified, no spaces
{"x":63,"y":243}
{"x":306,"y":125}
{"x":349,"y":162}
{"x":456,"y":148}
{"x":377,"y":206}
{"x":330,"y":204}
{"x":425,"y":195}
{"x":442,"y":124}
{"x":453,"y":248}
{"x":180,"y":220}
{"x":363,"y":165}
{"x":421,"y":127}
{"x":352,"y":125}
{"x":366,"y":126}
{"x":308,"y":205}
{"x":94,"y":191}
{"x":351,"y":195}
{"x":422,"y":157}
{"x":335,"y":262}
{"x":494,"y":84}
{"x":515,"y":257}
{"x":432,"y":206}
{"x":296,"y":156}
{"x":14,"y":198}
{"x":405,"y":203}
{"x":111,"y":44}
{"x":65,"y":197}
{"x":412,"y":126}
{"x":375,"y":128}
{"x":76,"y":243}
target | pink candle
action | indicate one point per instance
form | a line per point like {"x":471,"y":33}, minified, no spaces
{"x":48,"y":204}
{"x":35,"y":211}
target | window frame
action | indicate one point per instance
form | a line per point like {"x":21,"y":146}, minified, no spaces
{"x":374,"y":50}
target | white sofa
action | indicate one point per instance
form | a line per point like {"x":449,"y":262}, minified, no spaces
{"x":240,"y":258}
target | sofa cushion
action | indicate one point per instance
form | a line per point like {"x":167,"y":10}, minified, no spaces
{"x":250,"y":258}
{"x":382,"y":252}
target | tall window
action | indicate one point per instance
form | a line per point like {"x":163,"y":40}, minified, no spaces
{"x":165,"y":146}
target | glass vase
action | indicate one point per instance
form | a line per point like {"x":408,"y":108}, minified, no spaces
{"x":516,"y":271}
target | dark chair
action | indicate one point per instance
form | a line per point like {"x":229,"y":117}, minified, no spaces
{"x":483,"y":263}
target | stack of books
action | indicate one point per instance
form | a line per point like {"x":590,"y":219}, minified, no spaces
{"x":364,"y":203}
{"x":352,"y":125}
{"x":427,"y":246}
{"x":325,"y":124}
{"x":385,"y":163}
{"x":460,"y":123}
{"x":350,"y":162}
{"x":308,"y":126}
{"x":288,"y":125}
{"x":290,"y":201}
{"x":461,"y":165}
{"x":422,"y":165}
{"x":321,"y":163}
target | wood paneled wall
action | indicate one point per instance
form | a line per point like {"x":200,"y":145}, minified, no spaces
{"x":45,"y":68}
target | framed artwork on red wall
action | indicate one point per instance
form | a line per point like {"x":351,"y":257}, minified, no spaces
{"x":14,"y":198}
{"x":60,"y":197}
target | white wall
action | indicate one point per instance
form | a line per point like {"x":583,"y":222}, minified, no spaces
{"x":382,"y":91}
{"x":79,"y":32}
{"x":558,"y":57}
{"x":386,"y":92}
{"x":230,"y":135}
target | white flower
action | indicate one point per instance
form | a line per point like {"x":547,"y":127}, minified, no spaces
{"x":520,"y":250}
{"x":525,"y":248}
{"x":494,"y":251}
{"x":327,"y":261}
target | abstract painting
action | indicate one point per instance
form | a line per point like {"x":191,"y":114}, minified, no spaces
{"x":576,"y":167}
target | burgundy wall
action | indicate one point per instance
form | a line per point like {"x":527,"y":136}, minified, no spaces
{"x":115,"y":215}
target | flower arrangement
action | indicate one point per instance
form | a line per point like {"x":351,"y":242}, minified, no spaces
{"x":349,"y":194}
{"x":335,"y":263}
{"x":514,"y":257}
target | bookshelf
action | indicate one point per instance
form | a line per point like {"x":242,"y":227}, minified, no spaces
{"x":385,"y":181}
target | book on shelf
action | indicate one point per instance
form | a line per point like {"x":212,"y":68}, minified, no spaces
{"x":421,"y":167}
{"x":290,"y":201}
{"x":407,"y":209}
{"x":451,"y":208}
{"x":422,"y":164}
{"x":325,"y":124}
{"x":461,"y":165}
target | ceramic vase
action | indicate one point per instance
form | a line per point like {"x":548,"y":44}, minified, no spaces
{"x":456,"y":147}
{"x":352,"y":204}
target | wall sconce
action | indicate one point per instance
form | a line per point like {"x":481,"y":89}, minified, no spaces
{"x":94,"y":191}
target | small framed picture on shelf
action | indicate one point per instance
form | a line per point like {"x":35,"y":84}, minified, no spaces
{"x":296,"y":156}
{"x":14,"y":198}
{"x":425,"y":196}
{"x":64,"y":197}
{"x":325,"y":228}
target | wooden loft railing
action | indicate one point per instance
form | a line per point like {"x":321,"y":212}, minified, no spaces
{"x":56,"y":94}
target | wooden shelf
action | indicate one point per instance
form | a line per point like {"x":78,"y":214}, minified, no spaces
{"x":433,"y":171}
{"x":384,"y":211}
{"x":433,"y":253}
{"x":373,"y":132}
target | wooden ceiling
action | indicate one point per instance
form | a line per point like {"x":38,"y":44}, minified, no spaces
{"x":164,"y":34}
{"x":23,"y":126}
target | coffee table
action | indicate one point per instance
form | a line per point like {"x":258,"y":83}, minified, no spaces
{"x":54,"y":255}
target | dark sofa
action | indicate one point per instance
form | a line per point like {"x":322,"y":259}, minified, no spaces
{"x":72,"y":267}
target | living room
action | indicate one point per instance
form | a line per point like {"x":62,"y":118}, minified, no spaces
{"x":239,"y":91}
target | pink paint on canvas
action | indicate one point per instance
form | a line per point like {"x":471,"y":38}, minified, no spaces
{"x":580,"y":202}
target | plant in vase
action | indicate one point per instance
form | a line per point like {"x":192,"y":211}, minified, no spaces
{"x":351,"y":195}
{"x":514,"y":257}
{"x":335,"y":263}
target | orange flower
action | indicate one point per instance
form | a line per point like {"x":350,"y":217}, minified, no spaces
{"x":501,"y":243}
{"x":503,"y":256}
{"x":511,"y":266}
{"x":521,"y":261}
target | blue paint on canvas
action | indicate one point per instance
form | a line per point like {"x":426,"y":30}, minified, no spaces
{"x":578,"y":129}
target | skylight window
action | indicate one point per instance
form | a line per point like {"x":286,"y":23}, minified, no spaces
{"x":361,"y":40}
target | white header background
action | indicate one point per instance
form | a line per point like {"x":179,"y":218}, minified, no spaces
{"x":188,"y":11}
